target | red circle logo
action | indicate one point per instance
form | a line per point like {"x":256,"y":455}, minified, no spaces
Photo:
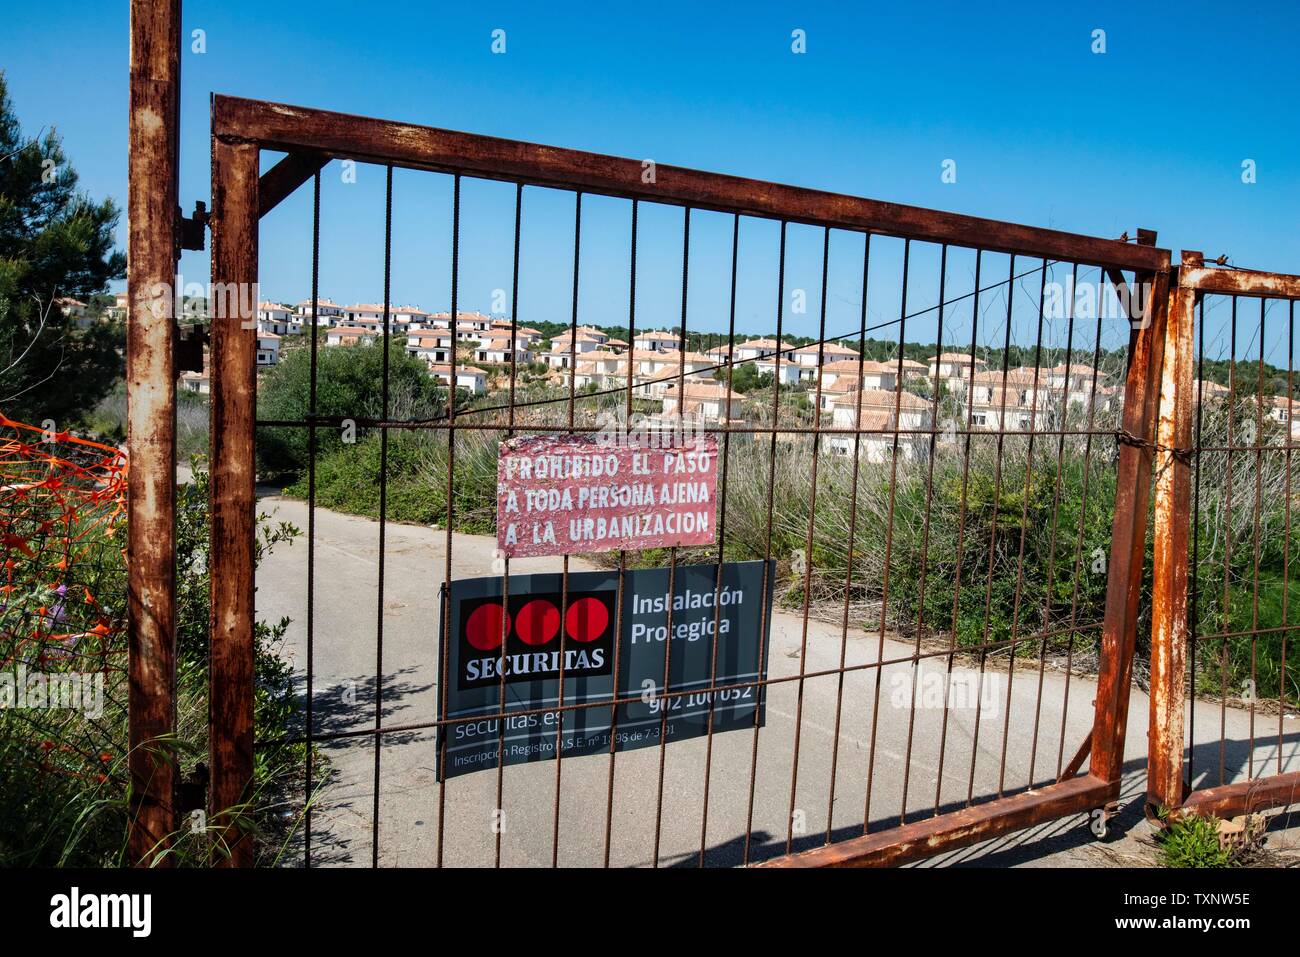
{"x":537,"y":622}
{"x":586,"y":619}
{"x":485,"y":626}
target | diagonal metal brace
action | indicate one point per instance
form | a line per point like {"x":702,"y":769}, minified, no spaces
{"x":277,"y":183}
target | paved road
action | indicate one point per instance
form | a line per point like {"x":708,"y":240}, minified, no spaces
{"x":347,"y":551}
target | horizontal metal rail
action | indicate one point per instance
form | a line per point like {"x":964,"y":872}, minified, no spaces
{"x":292,"y":129}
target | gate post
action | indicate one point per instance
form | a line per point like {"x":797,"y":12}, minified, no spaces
{"x":1128,"y":534}
{"x":1165,"y":787}
{"x":234,"y":384}
{"x":151,"y":422}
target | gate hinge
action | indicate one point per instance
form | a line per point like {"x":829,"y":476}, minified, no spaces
{"x":190,"y":341}
{"x":192,"y":227}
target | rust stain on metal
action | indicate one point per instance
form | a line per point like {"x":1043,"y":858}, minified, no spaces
{"x":233,"y":403}
{"x":957,"y":829}
{"x":151,"y":426}
{"x":290,"y":128}
{"x":1169,"y":574}
{"x":1244,"y":797}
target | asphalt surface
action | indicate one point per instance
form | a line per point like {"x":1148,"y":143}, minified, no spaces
{"x":1039,"y":726}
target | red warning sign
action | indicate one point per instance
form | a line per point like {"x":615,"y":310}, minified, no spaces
{"x":565,"y":494}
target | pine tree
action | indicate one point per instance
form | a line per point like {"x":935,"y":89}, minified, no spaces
{"x":55,"y":243}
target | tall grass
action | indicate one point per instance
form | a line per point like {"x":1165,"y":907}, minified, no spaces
{"x":983,"y":541}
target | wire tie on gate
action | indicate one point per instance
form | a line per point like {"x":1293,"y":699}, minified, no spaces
{"x":1125,"y":437}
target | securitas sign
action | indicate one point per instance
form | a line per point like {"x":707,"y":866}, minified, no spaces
{"x":530,"y":624}
{"x":523,"y":645}
{"x":563,"y":494}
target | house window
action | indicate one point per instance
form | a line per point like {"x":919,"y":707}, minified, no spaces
{"x":979,"y":418}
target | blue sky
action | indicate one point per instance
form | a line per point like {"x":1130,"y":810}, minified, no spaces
{"x":1043,"y":131}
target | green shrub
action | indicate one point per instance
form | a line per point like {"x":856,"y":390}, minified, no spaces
{"x":1192,"y":841}
{"x":349,"y":384}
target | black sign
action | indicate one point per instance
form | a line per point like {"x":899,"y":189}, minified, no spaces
{"x":524,"y":642}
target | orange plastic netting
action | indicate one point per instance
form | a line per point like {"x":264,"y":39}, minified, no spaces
{"x":62,"y":500}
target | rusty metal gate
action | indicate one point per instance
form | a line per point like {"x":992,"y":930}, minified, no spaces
{"x":1044,"y":395}
{"x":1221,"y":591}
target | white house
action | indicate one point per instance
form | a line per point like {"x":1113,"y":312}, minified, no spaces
{"x":433,"y":346}
{"x":1027,"y":394}
{"x":997,"y":408}
{"x":757,"y":349}
{"x":470,"y":378}
{"x":76,"y":311}
{"x":1282,"y":410}
{"x":914,"y":411}
{"x":708,"y":401}
{"x":806,"y":356}
{"x":601,"y":368}
{"x":200,"y":382}
{"x":409,"y":317}
{"x":368,"y":315}
{"x":656,"y":341}
{"x":563,"y":345}
{"x":277,"y":319}
{"x":875,"y":440}
{"x":498,"y":349}
{"x":327,"y":311}
{"x":953,"y":369}
{"x":782,"y":368}
{"x":527,"y":335}
{"x":268,"y":348}
{"x":912,"y":370}
{"x":349,"y":336}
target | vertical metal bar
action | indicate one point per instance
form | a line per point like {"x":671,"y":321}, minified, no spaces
{"x":310,"y":720}
{"x":622,"y":555}
{"x":564,"y":587}
{"x":1194,"y":624}
{"x":925,"y":530}
{"x":1169,"y":572}
{"x":1128,"y":535}
{"x":1286,"y":537}
{"x":1259,"y":491}
{"x":234,"y":385}
{"x":665,"y":703}
{"x":383,"y":511}
{"x":1050,"y":568}
{"x":725,"y":410}
{"x":1024,"y":522}
{"x":768,"y":584}
{"x":889,"y":542}
{"x":853,"y":537}
{"x":808,"y":546}
{"x":1078,"y":555}
{"x":1226,"y":624}
{"x":505,"y":577}
{"x":961,"y":525}
{"x":151,"y":421}
{"x":1001,"y":394}
{"x":445,"y":730}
